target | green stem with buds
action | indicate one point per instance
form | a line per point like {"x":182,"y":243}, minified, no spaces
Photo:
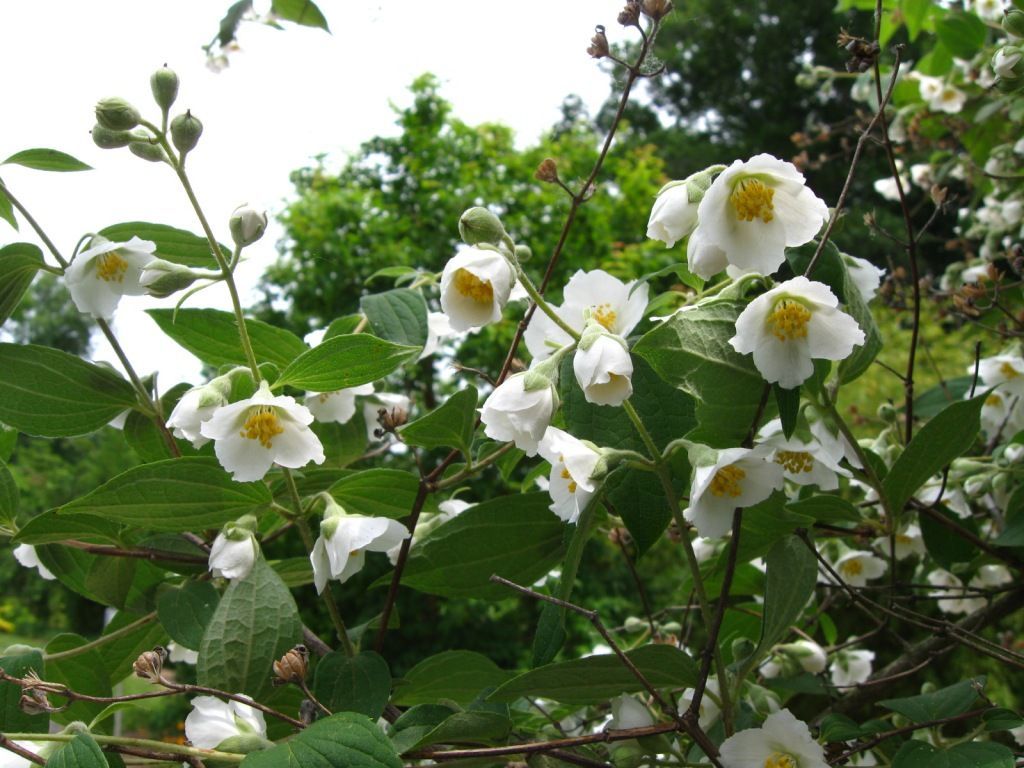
{"x":123,"y":741}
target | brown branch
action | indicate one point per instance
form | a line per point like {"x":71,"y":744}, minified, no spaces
{"x":876,"y":740}
{"x":11,"y":746}
{"x":142,"y":553}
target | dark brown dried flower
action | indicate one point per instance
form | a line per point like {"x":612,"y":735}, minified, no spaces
{"x":656,"y":9}
{"x":598,"y":43}
{"x":150,"y":664}
{"x":547,"y":171}
{"x":390,"y":419}
{"x":630,"y":15}
{"x":34,"y":702}
{"x":292,"y":667}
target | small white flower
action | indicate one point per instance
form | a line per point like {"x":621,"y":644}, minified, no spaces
{"x":704,"y":547}
{"x":603,"y":367}
{"x":953,"y":597}
{"x":781,"y":742}
{"x":338,"y":407}
{"x":792,"y":324}
{"x":438,"y":328}
{"x":887,"y":188}
{"x":858,"y":567}
{"x":674,"y":215}
{"x":475,"y":287}
{"x":922,"y":175}
{"x":234,"y":551}
{"x":1004,"y":61}
{"x":593,"y":295}
{"x":520,"y":410}
{"x":103,"y":273}
{"x":909,"y":542}
{"x":704,"y":258}
{"x":572,"y":464}
{"x":709,"y":709}
{"x":447,"y":510}
{"x":212,"y":721}
{"x":340,"y":550}
{"x":754,"y":210}
{"x":1003,"y":371}
{"x":950,"y":100}
{"x":990,"y":577}
{"x":952,"y":497}
{"x":1001,"y":414}
{"x":195,"y":407}
{"x":851,"y":667}
{"x":929,"y":87}
{"x":179,"y":654}
{"x":26,"y":555}
{"x":804,"y":462}
{"x":801,"y":655}
{"x":253,"y":434}
{"x":739,"y":477}
{"x":627,"y":713}
{"x":390,"y":402}
{"x":989,"y":10}
{"x":865,"y":275}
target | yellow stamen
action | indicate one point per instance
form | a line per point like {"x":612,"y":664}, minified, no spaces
{"x":262,"y":425}
{"x":726,"y":481}
{"x":473,"y":287}
{"x":111,"y":267}
{"x":902,"y":538}
{"x":567,"y":476}
{"x":795,"y":461}
{"x":779,"y":760}
{"x":605,"y":315}
{"x":788,"y":320}
{"x":1009,"y":371}
{"x":751,"y":200}
{"x":993,"y":400}
{"x":852,"y":568}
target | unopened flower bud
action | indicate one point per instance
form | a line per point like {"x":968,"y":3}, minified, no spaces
{"x":633,"y":624}
{"x":478,"y":225}
{"x":150,"y":664}
{"x":247,"y":225}
{"x":292,"y":667}
{"x":630,"y":15}
{"x":162,"y":278}
{"x":117,"y":114}
{"x":547,"y":171}
{"x":742,"y":648}
{"x":185,"y":132}
{"x":523,"y":253}
{"x":887,"y":413}
{"x":1013,"y":22}
{"x":151,"y":152}
{"x":598,"y":43}
{"x":656,"y":9}
{"x":104,"y":138}
{"x":164,"y":83}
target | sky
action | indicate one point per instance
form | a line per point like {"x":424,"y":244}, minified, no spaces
{"x":286,"y":97}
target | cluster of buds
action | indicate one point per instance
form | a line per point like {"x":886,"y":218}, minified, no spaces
{"x":292,"y":667}
{"x":862,"y":53}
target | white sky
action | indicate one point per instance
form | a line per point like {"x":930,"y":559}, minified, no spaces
{"x":286,"y":97}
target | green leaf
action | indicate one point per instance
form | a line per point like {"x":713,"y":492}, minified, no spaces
{"x":46,"y":160}
{"x":147,"y":439}
{"x":450,"y":426}
{"x":302,"y":12}
{"x":1013,"y":533}
{"x":974,"y":754}
{"x":50,"y":527}
{"x":788,"y":402}
{"x":19,"y":263}
{"x":792,"y":573}
{"x":294,"y":571}
{"x":17,"y":661}
{"x":963,"y":34}
{"x":861,"y":357}
{"x":174,"y":495}
{"x":945,"y":547}
{"x":342,"y":325}
{"x":550,"y":635}
{"x":212,"y":336}
{"x":598,"y":678}
{"x":691,"y":351}
{"x":638,"y":498}
{"x":361,"y":684}
{"x":938,"y":705}
{"x":347,"y":739}
{"x":935,"y":445}
{"x":84,"y":672}
{"x":186,"y":611}
{"x":1002,"y":720}
{"x":120,"y":653}
{"x":81,"y":752}
{"x":826,"y":508}
{"x":929,"y":403}
{"x":399,"y":316}
{"x":8,"y":499}
{"x":7,"y":210}
{"x":517,"y":537}
{"x":468,"y":728}
{"x":914,"y":13}
{"x":346,"y":361}
{"x":458,"y":676}
{"x":175,"y":245}
{"x":50,"y":393}
{"x":254,"y":624}
{"x":377,"y":492}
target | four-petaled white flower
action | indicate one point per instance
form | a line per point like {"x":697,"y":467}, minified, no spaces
{"x":781,"y":742}
{"x":253,"y":434}
{"x":603,"y":366}
{"x":909,"y":542}
{"x":212,"y":721}
{"x":1003,"y":371}
{"x":739,"y":477}
{"x":475,"y":287}
{"x":593,"y":295}
{"x":857,"y":567}
{"x":851,"y":666}
{"x":628,"y":712}
{"x":792,"y":324}
{"x":756,"y":209}
{"x":104,"y":272}
{"x":805,"y":462}
{"x":1004,"y":61}
{"x":520,"y":409}
{"x":27,"y":556}
{"x":340,"y":551}
{"x":234,"y":551}
{"x":338,"y":406}
{"x":572,"y":465}
{"x":674,"y":214}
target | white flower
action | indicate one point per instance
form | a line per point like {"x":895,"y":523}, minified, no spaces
{"x":674,"y":215}
{"x":804,"y":462}
{"x":754,"y":210}
{"x":603,"y":367}
{"x":1004,"y":371}
{"x":739,"y":477}
{"x":865,"y":275}
{"x":949,"y":100}
{"x":338,"y":406}
{"x":179,"y":654}
{"x":251,"y":435}
{"x":781,"y":742}
{"x":929,"y":87}
{"x":990,"y":577}
{"x":247,"y":225}
{"x":990,"y":10}
{"x":212,"y":721}
{"x":922,"y":175}
{"x":572,"y":464}
{"x":438,"y":328}
{"x":703,"y":257}
{"x":858,"y":567}
{"x":953,"y":597}
{"x":593,"y":295}
{"x":709,"y":709}
{"x":103,"y":273}
{"x":234,"y":551}
{"x":475,"y":287}
{"x":26,"y":555}
{"x":909,"y":542}
{"x":340,"y":550}
{"x":1004,"y":61}
{"x":805,"y":655}
{"x":704,"y":547}
{"x":851,"y":667}
{"x":387,"y":401}
{"x":447,"y":510}
{"x":627,"y":713}
{"x":792,"y":324}
{"x":1001,"y":414}
{"x":196,"y":406}
{"x":887,"y":188}
{"x":520,"y":410}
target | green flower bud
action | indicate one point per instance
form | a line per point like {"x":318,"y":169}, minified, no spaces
{"x":164,"y":83}
{"x":742,"y":648}
{"x":1013,"y":22}
{"x":185,"y":132}
{"x":117,"y":114}
{"x":104,"y":138}
{"x":633,"y":624}
{"x":887,"y":413}
{"x":479,"y":225}
{"x":152,"y":152}
{"x":247,"y":225}
{"x":523,"y":253}
{"x":163,"y":278}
